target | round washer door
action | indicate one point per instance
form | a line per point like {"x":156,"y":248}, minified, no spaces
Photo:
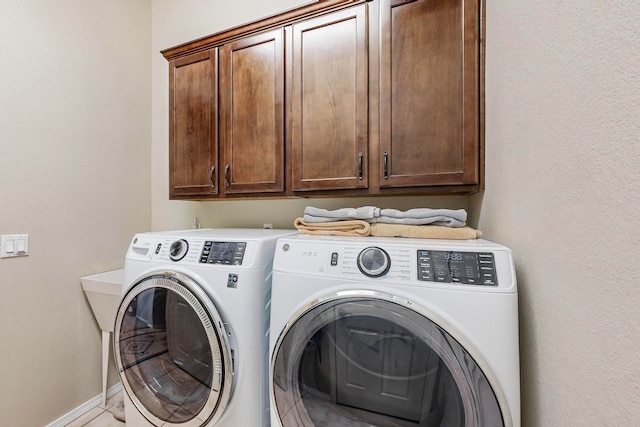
{"x":172,"y":351}
{"x":370,"y":359}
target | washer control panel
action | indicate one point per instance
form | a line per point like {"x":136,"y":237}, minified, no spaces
{"x":226,"y":253}
{"x":469,"y":268}
{"x":193,"y":251}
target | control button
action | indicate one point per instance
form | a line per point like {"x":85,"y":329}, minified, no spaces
{"x":334,"y":258}
{"x":424,"y":266}
{"x":238,"y":256}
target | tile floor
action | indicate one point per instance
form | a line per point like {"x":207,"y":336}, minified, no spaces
{"x":100,"y":416}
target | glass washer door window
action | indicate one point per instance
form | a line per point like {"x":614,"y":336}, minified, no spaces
{"x":172,"y":352}
{"x":364,"y":361}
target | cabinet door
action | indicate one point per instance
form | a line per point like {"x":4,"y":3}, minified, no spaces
{"x":429,"y":92}
{"x":329,"y":102}
{"x":193,"y":125}
{"x":252,"y":103}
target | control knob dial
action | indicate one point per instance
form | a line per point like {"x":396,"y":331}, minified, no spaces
{"x":178,"y":249}
{"x":374,"y":262}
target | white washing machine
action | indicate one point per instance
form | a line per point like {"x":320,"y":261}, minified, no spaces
{"x":395,"y":332}
{"x":191,"y":333}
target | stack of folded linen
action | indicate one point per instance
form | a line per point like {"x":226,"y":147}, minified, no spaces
{"x":334,"y":228}
{"x":372,"y":221}
{"x":365,"y":213}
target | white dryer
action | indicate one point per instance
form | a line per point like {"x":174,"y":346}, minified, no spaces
{"x":191,"y":332}
{"x":398,"y":332}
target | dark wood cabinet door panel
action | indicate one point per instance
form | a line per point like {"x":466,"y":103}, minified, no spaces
{"x":329,"y":101}
{"x":193,"y":125}
{"x":429,"y":93}
{"x":252,"y":102}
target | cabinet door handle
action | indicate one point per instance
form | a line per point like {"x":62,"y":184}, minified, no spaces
{"x":213,"y":184}
{"x":226,"y":174}
{"x":360,"y":165}
{"x":384,"y":162}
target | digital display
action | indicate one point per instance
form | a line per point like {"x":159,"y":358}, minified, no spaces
{"x":222,"y":250}
{"x":455,"y":256}
{"x":227,"y":253}
{"x":470,"y":268}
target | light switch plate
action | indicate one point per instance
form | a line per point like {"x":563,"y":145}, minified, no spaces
{"x":14,"y":245}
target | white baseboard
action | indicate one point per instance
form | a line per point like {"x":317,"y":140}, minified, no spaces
{"x":85,"y":407}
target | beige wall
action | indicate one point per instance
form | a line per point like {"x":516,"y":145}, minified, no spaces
{"x":563,"y":191}
{"x":75,"y":175}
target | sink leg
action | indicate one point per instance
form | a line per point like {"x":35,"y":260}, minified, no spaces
{"x":105,"y":365}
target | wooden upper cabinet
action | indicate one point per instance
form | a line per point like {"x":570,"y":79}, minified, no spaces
{"x":193,"y":125}
{"x":344,"y":97}
{"x":429,"y":93}
{"x":329,"y":103}
{"x":252,"y":114}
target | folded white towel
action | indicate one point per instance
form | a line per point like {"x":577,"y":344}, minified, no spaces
{"x":367,"y":213}
{"x":424,"y":216}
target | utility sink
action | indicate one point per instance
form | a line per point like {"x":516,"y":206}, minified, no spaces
{"x":104,"y":291}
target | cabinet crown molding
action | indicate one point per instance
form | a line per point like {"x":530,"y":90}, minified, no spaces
{"x":278,"y":20}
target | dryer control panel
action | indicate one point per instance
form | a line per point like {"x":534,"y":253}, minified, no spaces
{"x":469,"y":268}
{"x":477,"y":265}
